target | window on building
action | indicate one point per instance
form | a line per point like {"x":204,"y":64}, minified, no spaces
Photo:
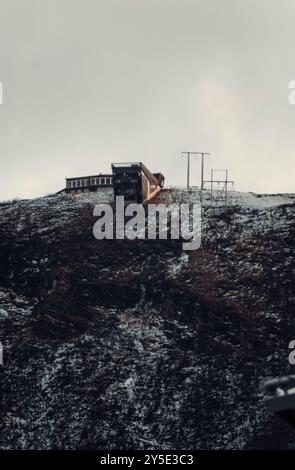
{"x":102,"y":180}
{"x":97,"y":180}
{"x":92,"y":181}
{"x":74,"y":184}
{"x":108,"y":181}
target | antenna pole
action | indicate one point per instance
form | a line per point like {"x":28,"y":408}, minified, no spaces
{"x":211,"y":188}
{"x":224,"y":192}
{"x":226,"y":173}
{"x":188,"y":169}
{"x":202,"y":172}
{"x":188,"y":154}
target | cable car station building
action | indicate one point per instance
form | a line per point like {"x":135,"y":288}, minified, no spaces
{"x":131,"y":180}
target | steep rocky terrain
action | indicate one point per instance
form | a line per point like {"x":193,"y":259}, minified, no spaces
{"x":137,"y":344}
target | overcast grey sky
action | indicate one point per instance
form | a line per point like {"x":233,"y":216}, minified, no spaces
{"x":88,"y":82}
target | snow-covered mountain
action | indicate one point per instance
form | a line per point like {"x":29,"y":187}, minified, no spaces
{"x":136,"y":344}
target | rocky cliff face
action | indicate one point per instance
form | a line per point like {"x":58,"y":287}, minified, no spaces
{"x":137,"y":344}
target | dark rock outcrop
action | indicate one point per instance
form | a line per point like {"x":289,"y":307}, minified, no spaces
{"x":136,"y":344}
